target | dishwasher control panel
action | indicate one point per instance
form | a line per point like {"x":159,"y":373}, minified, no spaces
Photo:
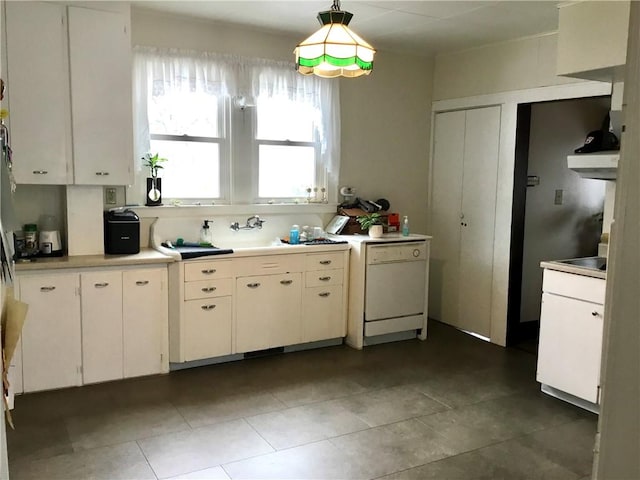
{"x":396,"y":252}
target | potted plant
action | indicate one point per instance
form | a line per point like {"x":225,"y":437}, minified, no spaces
{"x":372,"y":222}
{"x":154,"y":185}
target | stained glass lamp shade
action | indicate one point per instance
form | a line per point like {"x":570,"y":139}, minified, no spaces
{"x":335,"y":50}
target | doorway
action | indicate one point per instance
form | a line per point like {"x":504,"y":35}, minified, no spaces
{"x":556,"y":213}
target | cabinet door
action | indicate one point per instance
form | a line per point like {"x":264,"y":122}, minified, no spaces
{"x":207,"y":328}
{"x":144,"y":315}
{"x":38,"y":88}
{"x":51,"y":343}
{"x":323,"y":313}
{"x":100,"y":65}
{"x":570,"y":347}
{"x":101,"y":326}
{"x":268,"y":311}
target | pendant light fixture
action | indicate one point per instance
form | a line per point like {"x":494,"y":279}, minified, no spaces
{"x":334,"y":50}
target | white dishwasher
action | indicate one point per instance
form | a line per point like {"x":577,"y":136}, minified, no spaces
{"x":395,"y":287}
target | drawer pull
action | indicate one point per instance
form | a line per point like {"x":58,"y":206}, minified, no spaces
{"x":286,"y":282}
{"x":325,"y":262}
{"x":595,"y":314}
{"x":208,"y":307}
{"x":324,"y":294}
{"x":101,"y":285}
{"x":209,"y":271}
{"x":102,"y":174}
{"x":40,"y":172}
{"x":142,"y":283}
{"x":208,"y":289}
{"x":47,"y":289}
{"x":324,"y":279}
{"x":253,"y":285}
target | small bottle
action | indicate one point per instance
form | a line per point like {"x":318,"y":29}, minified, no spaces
{"x":206,"y":239}
{"x":294,"y":235}
{"x":30,"y":239}
{"x":405,"y":226}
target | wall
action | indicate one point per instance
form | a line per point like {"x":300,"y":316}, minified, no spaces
{"x":524,"y":63}
{"x":570,"y":230}
{"x":384,"y":120}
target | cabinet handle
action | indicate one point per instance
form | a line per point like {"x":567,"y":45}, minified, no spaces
{"x":324,"y":279}
{"x":208,"y":307}
{"x":208,"y":271}
{"x":286,"y":282}
{"x":253,"y":285}
{"x":595,"y":314}
{"x":142,"y":283}
{"x":102,"y":174}
{"x":324,"y":294}
{"x":325,"y":262}
{"x":40,"y":172}
{"x":208,"y":289}
{"x":101,"y":285}
{"x":47,"y":289}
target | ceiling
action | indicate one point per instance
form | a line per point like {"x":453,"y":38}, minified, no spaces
{"x":413,"y":27}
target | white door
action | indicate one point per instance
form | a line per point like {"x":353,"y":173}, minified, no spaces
{"x":322,"y":316}
{"x":207,"y":327}
{"x":144,"y":315}
{"x":479,"y":187}
{"x":446,"y":205}
{"x":570,"y":347}
{"x":51,"y":343}
{"x":38,"y":88}
{"x":100,"y":65}
{"x":101,"y":326}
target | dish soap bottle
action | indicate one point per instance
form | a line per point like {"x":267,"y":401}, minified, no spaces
{"x":206,"y":239}
{"x":405,"y":226}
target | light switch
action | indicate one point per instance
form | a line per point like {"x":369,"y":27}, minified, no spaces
{"x":558,"y":198}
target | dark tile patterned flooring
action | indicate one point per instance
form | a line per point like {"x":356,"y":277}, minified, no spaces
{"x":450,"y":407}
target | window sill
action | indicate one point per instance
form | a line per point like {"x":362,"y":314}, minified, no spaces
{"x":169,"y":211}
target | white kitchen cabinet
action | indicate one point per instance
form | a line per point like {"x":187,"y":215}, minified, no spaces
{"x":268,"y":309}
{"x":144,"y":316}
{"x":208,"y":328}
{"x":571,"y":326}
{"x":322,"y":313}
{"x":38,"y":91}
{"x":51,"y":339}
{"x":101,"y":104}
{"x":102,"y":338}
{"x":464,"y":186}
{"x":70,"y":95}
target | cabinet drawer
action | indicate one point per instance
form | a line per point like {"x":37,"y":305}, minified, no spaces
{"x":324,"y":261}
{"x":319,"y":278}
{"x":269,"y":264}
{"x":207,"y":270}
{"x":575,"y":286}
{"x":208,"y":288}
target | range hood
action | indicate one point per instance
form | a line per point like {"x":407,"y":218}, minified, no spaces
{"x":600,"y":165}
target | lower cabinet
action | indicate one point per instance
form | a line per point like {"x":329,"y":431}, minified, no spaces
{"x":323,"y":310}
{"x":93,"y":326}
{"x":51,"y":342}
{"x":208,"y":328}
{"x":268,"y":311}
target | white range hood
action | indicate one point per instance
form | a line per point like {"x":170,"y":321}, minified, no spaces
{"x":601,"y":165}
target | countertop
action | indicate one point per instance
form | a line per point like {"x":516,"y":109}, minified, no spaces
{"x":587,"y":266}
{"x":387,"y":237}
{"x":244,"y":250}
{"x":147,"y":256}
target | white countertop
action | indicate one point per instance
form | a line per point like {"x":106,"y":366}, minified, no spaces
{"x":387,"y":237}
{"x":146,"y":256}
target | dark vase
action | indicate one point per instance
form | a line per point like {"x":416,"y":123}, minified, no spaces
{"x":153,"y":192}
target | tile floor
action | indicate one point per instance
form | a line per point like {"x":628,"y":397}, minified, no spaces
{"x":450,"y":407}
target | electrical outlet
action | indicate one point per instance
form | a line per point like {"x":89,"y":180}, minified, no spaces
{"x":558,"y":198}
{"x":110,"y":196}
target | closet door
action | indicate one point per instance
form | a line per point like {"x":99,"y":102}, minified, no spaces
{"x":446,"y":197}
{"x":479,"y":188}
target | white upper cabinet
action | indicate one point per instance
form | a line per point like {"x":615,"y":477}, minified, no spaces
{"x":101,"y":112}
{"x":70,"y":99}
{"x":38,"y":91}
{"x":592,"y":40}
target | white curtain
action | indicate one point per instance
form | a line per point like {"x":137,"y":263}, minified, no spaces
{"x":156,"y":69}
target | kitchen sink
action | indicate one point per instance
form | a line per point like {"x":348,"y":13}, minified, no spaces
{"x":593,"y":263}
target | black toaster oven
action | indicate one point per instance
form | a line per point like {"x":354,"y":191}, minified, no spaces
{"x":121,"y":232}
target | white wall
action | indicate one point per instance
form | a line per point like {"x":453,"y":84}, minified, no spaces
{"x":554,"y":232}
{"x":502,"y":67}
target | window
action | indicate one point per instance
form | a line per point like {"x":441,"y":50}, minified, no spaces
{"x":280,"y":140}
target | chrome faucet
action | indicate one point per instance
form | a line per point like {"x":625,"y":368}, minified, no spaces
{"x":252,"y":222}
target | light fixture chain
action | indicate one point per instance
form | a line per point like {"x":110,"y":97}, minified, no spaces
{"x":336,"y":6}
